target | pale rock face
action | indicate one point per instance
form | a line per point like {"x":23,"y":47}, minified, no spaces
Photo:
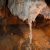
{"x":26,"y":8}
{"x":46,"y":12}
{"x":36,"y":8}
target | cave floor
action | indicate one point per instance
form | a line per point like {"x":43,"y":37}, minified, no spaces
{"x":18,"y":39}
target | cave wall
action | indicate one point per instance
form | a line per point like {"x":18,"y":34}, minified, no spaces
{"x":26,"y":8}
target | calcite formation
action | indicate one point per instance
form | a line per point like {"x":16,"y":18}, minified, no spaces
{"x":2,"y":3}
{"x":14,"y":33}
{"x":26,"y":8}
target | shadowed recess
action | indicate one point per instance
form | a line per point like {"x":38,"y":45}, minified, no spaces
{"x":47,"y":2}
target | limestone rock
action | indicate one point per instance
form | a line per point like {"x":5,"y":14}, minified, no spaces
{"x":26,"y":8}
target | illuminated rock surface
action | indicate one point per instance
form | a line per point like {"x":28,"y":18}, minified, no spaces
{"x":16,"y":37}
{"x":26,"y":8}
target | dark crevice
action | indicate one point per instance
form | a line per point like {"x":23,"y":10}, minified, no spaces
{"x":47,"y":2}
{"x":15,"y":29}
{"x":6,"y":3}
